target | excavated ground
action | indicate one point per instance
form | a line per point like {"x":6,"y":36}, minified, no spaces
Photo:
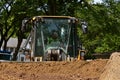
{"x":112,"y":68}
{"x":74,"y":70}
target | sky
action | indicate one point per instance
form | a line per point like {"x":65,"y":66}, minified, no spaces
{"x":96,"y":1}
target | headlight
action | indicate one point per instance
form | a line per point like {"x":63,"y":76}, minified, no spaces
{"x":49,"y":51}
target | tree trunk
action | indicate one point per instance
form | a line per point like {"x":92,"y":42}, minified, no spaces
{"x":52,"y":7}
{"x":20,"y":38}
{"x":17,"y":49}
{"x":5,"y":44}
{"x":1,"y":42}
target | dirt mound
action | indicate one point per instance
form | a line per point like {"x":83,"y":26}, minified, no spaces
{"x":74,"y":70}
{"x":112,"y":69}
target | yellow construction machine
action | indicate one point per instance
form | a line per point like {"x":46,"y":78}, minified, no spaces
{"x":53,"y":38}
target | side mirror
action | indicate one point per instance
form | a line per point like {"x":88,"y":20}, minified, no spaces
{"x":84,"y":27}
{"x":24,"y":23}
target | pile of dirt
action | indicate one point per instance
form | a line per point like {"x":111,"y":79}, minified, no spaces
{"x":112,"y":69}
{"x":74,"y":70}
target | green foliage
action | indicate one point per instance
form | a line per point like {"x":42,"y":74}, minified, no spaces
{"x":109,"y":43}
{"x":103,"y":25}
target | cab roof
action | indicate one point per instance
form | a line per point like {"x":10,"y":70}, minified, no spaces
{"x":64,"y":17}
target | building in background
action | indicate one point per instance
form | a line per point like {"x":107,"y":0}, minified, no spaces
{"x":12,"y":44}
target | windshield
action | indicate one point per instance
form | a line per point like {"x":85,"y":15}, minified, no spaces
{"x":55,"y":34}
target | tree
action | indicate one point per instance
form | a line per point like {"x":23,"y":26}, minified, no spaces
{"x":27,"y":9}
{"x":103,"y":22}
{"x":13,"y":12}
{"x":6,"y":29}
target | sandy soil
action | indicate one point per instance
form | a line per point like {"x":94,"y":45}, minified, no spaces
{"x":74,"y":70}
{"x":112,"y":68}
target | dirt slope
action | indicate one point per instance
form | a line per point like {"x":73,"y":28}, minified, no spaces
{"x":112,"y":69}
{"x":75,"y":70}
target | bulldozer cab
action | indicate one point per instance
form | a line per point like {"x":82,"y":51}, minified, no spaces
{"x":53,"y":37}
